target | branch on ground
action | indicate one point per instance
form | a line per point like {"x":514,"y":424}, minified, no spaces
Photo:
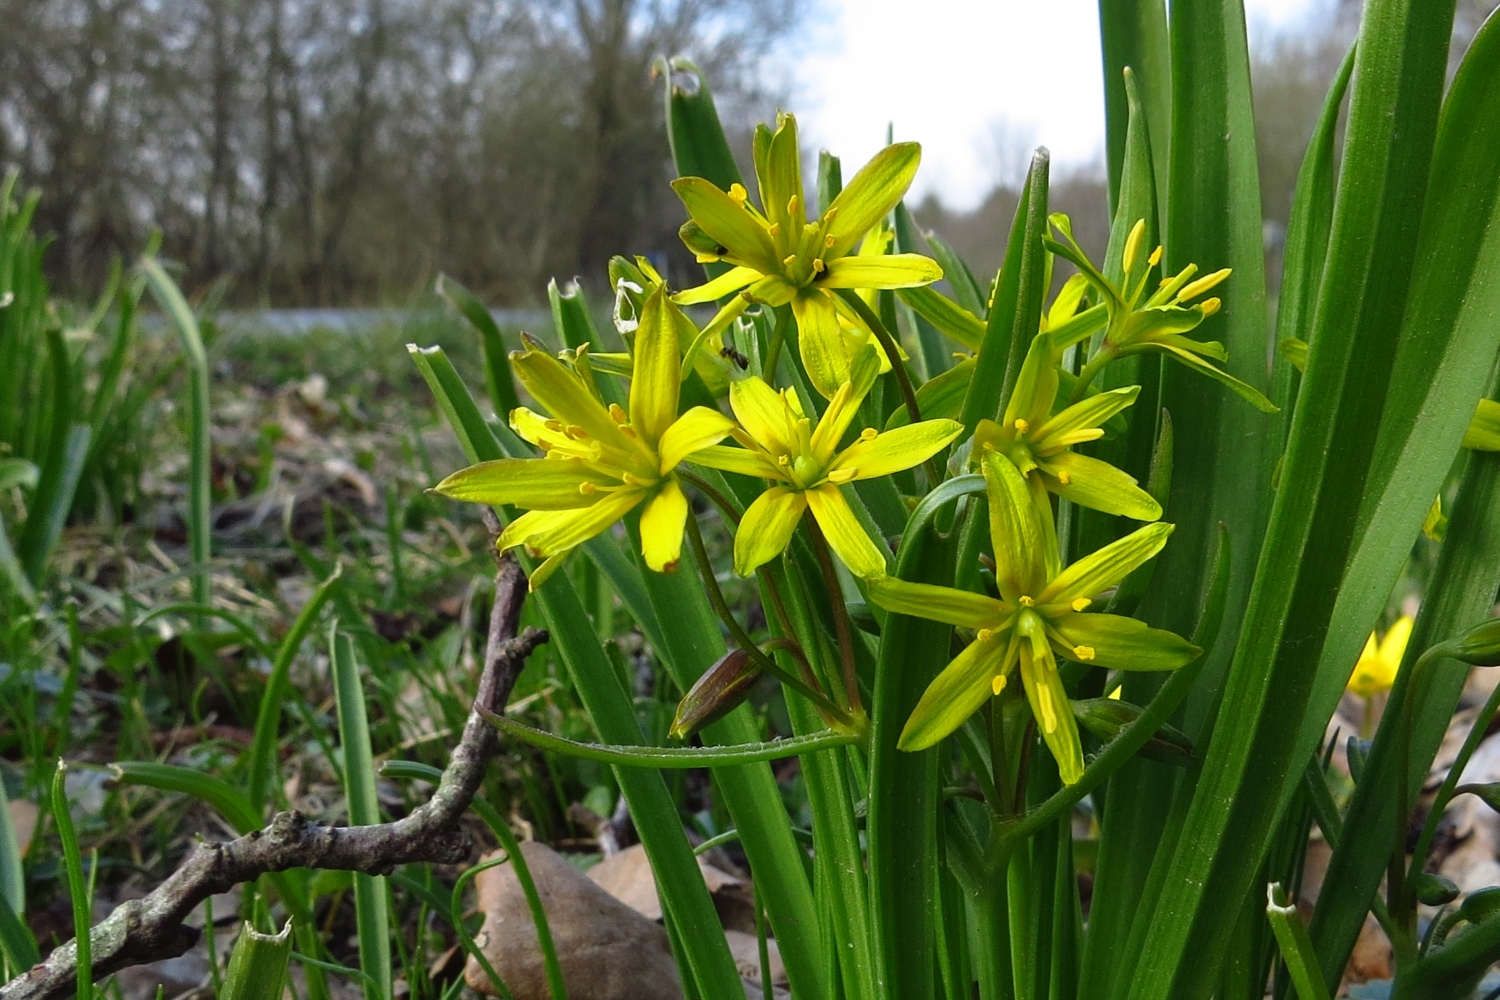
{"x":151,"y":928}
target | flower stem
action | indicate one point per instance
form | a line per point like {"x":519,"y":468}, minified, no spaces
{"x":1106,"y":353}
{"x":773,"y":349}
{"x":726,"y":506}
{"x":743,"y":640}
{"x":840,"y":614}
{"x":887,"y":344}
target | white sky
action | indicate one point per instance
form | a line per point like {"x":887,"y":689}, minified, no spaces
{"x":952,"y":74}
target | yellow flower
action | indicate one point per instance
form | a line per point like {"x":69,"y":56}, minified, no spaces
{"x":1038,"y":618}
{"x":1378,"y":664}
{"x":807,"y":466}
{"x":601,"y":462}
{"x":780,"y":257}
{"x":1040,"y":443}
{"x":1156,"y":322}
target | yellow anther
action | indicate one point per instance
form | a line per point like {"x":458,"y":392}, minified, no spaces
{"x":997,"y":683}
{"x":1027,"y":602}
{"x":1081,"y":603}
{"x":631,"y":479}
{"x":1133,"y":244}
{"x":1083,"y":653}
{"x":818,"y":266}
{"x":1210,"y":306}
{"x":628,"y":431}
{"x":737,"y":193}
{"x":587,"y":489}
{"x":990,"y":302}
{"x":1155,"y":257}
{"x":793,"y":206}
{"x":985,"y":635}
{"x":577,"y":433}
{"x":830,"y":215}
{"x":1065,"y":478}
{"x":774,"y":229}
{"x":1203,"y":284}
{"x":842,"y":475}
{"x":706,"y":258}
{"x":789,"y":260}
{"x":617,"y":412}
{"x":1021,"y":426}
{"x":785,"y":461}
{"x":868,"y":434}
{"x":828,"y":241}
{"x":556,"y":426}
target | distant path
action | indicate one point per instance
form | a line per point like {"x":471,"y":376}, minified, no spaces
{"x":352,"y":320}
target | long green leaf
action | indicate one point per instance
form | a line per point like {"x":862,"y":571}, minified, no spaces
{"x":200,"y":493}
{"x":1397,"y":85}
{"x":1134,"y":34}
{"x":227,"y":800}
{"x":498,"y":378}
{"x":78,"y":884}
{"x":371,"y":902}
{"x":699,"y":147}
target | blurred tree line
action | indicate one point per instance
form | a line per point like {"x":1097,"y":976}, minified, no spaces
{"x":341,"y":151}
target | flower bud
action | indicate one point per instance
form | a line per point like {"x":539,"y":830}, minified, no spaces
{"x":1106,"y":718}
{"x":1480,"y":645}
{"x":717,"y":693}
{"x":1434,"y":890}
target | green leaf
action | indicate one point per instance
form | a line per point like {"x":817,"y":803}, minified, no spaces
{"x":939,"y":398}
{"x":78,"y":885}
{"x":1296,"y":948}
{"x":371,"y":904}
{"x":498,"y":378}
{"x":217,"y":793}
{"x":571,"y":318}
{"x":946,"y":315}
{"x":1397,"y":85}
{"x":1134,"y":34}
{"x":257,"y":966}
{"x":965,"y":288}
{"x":1017,"y":311}
{"x":699,"y":148}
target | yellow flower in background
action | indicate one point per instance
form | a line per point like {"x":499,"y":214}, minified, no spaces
{"x":1039,"y":617}
{"x":601,"y":462}
{"x":780,"y":257}
{"x":807,"y":466}
{"x":1381,"y":660}
{"x":1040,"y":443}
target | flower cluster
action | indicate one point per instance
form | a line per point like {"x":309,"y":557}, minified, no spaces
{"x":602,"y":460}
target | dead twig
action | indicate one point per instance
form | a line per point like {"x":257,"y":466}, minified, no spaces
{"x":151,"y":928}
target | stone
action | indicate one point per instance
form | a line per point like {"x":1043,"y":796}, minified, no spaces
{"x":606,"y":949}
{"x":627,"y":876}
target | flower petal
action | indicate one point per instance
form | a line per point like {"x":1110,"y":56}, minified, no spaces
{"x":551,"y":532}
{"x":897,"y":449}
{"x":532,"y":483}
{"x":657,"y":370}
{"x":728,"y":223}
{"x":563,"y":394}
{"x":844,"y":405}
{"x":1483,"y":433}
{"x":1103,"y":569}
{"x":781,"y":182}
{"x":821,"y":343}
{"x":695,"y":429}
{"x":742,"y":460}
{"x":1120,"y":643}
{"x":1247,"y":392}
{"x":957,"y":692}
{"x":1084,"y":415}
{"x":766,"y":528}
{"x":661,"y":527}
{"x":730,"y":281}
{"x":948,"y":316}
{"x":1016,"y":531}
{"x":896,"y":270}
{"x":1036,"y":386}
{"x":762,"y":411}
{"x":1098,"y":486}
{"x":939,"y":604}
{"x":846,"y":536}
{"x":871,"y":194}
{"x":1049,"y":700}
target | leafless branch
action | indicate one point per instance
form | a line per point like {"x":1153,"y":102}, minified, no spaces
{"x":151,"y":928}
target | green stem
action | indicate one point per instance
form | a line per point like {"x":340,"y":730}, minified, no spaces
{"x":726,"y":506}
{"x":1102,"y":357}
{"x":888,"y":345}
{"x":773,"y":349}
{"x":840,"y":614}
{"x":742,"y":638}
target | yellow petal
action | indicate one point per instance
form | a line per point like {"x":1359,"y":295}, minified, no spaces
{"x":896,"y":270}
{"x":939,"y":604}
{"x":730,"y":281}
{"x":781,"y":183}
{"x":1103,"y":569}
{"x":1393,"y":646}
{"x":957,"y":692}
{"x":1483,"y":433}
{"x":531,"y":483}
{"x":766,"y":528}
{"x":1119,"y":643}
{"x":740,"y":234}
{"x":1016,"y":531}
{"x":1062,"y":430}
{"x":871,"y":194}
{"x":562,"y":394}
{"x":846,"y":536}
{"x":844,"y":405}
{"x":1369,"y":678}
{"x":742,"y":460}
{"x":657,"y":369}
{"x":762,"y":411}
{"x":1049,"y":701}
{"x":897,"y":449}
{"x":1098,"y":486}
{"x":551,"y":532}
{"x":1036,"y":386}
{"x":821,"y":343}
{"x":661,"y":527}
{"x":695,"y":429}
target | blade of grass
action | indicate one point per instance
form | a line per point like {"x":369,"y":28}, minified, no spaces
{"x":200,"y":443}
{"x":498,"y":379}
{"x":371,"y":906}
{"x":78,"y":891}
{"x":227,"y":800}
{"x":52,"y":502}
{"x":1296,"y":946}
{"x":257,"y":966}
{"x":1134,"y":33}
